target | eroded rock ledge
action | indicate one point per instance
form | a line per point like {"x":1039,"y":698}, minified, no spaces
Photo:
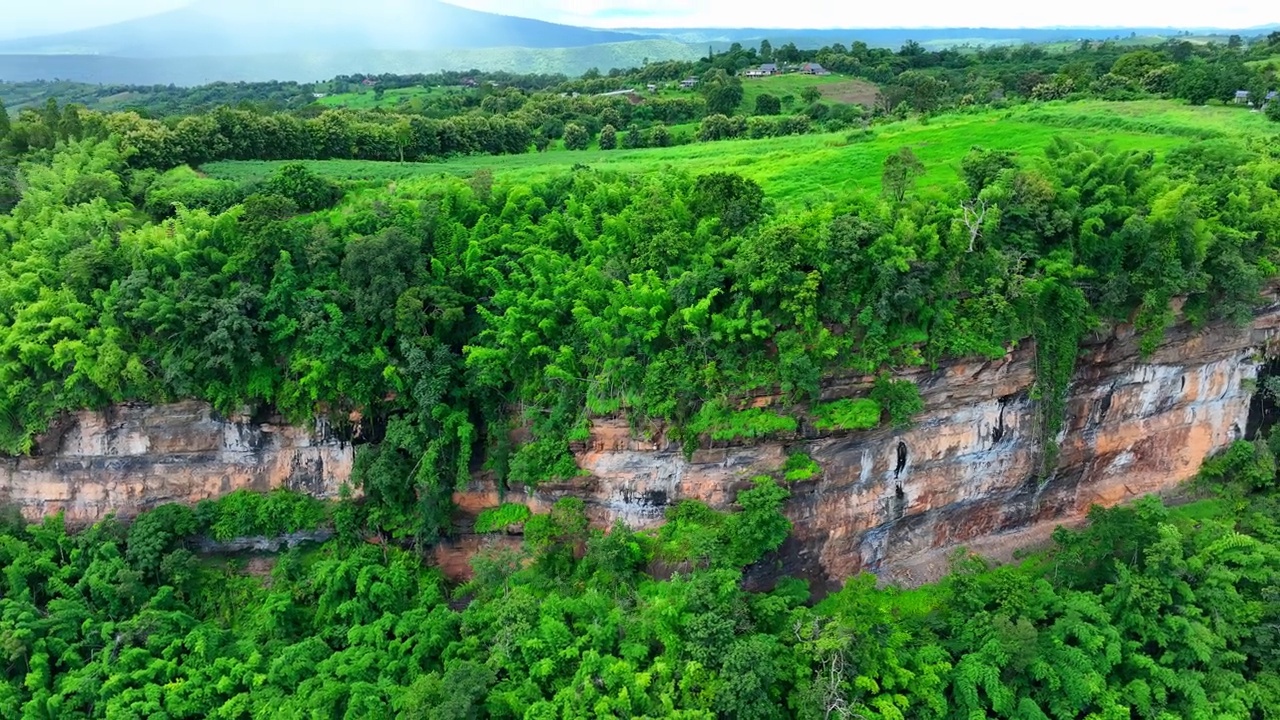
{"x":129,"y":458}
{"x":896,"y":502}
{"x":967,"y":473}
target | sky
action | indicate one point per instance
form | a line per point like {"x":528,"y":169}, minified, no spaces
{"x":24,"y":17}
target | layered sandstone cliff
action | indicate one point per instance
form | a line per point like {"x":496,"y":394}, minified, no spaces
{"x":968,"y":471}
{"x":896,"y":502}
{"x":129,"y":458}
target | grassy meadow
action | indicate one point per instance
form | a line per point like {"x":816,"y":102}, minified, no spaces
{"x":367,"y":98}
{"x":816,"y":167}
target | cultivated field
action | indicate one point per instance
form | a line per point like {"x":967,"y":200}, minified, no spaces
{"x":815,"y":167}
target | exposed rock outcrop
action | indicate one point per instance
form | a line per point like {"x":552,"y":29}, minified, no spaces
{"x":968,"y":471}
{"x":129,"y":458}
{"x":896,"y":502}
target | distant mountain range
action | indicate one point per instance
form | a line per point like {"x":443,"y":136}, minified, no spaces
{"x":260,"y":40}
{"x":211,"y":28}
{"x":895,"y":37}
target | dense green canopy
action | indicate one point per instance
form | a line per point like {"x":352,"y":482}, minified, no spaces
{"x":1149,"y":613}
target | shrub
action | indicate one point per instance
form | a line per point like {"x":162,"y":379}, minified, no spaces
{"x":799,"y":467}
{"x":608,"y":137}
{"x":576,"y":137}
{"x":182,"y":186}
{"x":767,"y":104}
{"x":722,"y":424}
{"x":500,"y":518}
{"x":310,"y":191}
{"x":659,"y":137}
{"x":543,"y":460}
{"x":1249,"y":463}
{"x":847,"y":414}
{"x":245,"y":513}
{"x":900,"y":398}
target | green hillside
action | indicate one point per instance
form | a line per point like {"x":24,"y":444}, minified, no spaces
{"x":810,"y":167}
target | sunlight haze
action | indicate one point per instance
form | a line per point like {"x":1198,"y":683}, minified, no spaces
{"x":53,"y":16}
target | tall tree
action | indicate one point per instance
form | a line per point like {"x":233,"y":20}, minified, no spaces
{"x":900,"y":172}
{"x":767,"y":104}
{"x":722,"y":91}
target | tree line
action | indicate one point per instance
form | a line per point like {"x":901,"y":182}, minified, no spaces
{"x":516,"y":115}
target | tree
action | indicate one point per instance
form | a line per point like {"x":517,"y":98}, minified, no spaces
{"x":608,"y":137}
{"x":309,"y":190}
{"x":767,"y":104}
{"x":722,"y":91}
{"x":633,"y":139}
{"x":810,"y":95}
{"x":714,"y":127}
{"x":4,"y":121}
{"x":766,"y":51}
{"x":1273,"y":110}
{"x":900,"y":172}
{"x":576,"y":137}
{"x":659,"y":136}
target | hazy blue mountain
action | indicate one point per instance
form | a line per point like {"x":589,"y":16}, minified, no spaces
{"x":895,"y":37}
{"x":212,"y":28}
{"x":316,"y":66}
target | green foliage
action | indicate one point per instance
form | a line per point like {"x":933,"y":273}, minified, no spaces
{"x":694,"y":533}
{"x":541,"y":461}
{"x":722,"y":424}
{"x":608,"y":137}
{"x":899,"y":173}
{"x":576,"y":137}
{"x":1147,"y":612}
{"x":308,"y":190}
{"x":900,"y":399}
{"x":800,"y":467}
{"x":1251,"y":465}
{"x":767,"y":104}
{"x":245,"y":513}
{"x":847,"y":414}
{"x":183,"y":187}
{"x":501,"y":518}
{"x":723,"y":92}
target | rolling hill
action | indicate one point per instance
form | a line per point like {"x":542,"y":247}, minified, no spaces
{"x":249,"y":40}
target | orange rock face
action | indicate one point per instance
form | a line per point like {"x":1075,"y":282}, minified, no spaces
{"x":894,"y":502}
{"x":968,"y":472}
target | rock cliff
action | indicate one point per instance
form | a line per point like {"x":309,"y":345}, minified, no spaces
{"x":896,"y":502}
{"x":967,"y":473}
{"x":128,"y":458}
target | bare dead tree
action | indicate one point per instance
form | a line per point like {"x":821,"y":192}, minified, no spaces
{"x":828,"y":680}
{"x":975,"y":211}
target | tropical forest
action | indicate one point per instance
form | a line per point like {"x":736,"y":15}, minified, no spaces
{"x":460,"y":277}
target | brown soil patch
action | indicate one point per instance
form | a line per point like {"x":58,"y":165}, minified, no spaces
{"x":852,"y":92}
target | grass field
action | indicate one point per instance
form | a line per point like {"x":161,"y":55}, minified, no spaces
{"x":1158,"y":117}
{"x":834,"y":88}
{"x":1273,"y":61}
{"x":817,"y":167}
{"x":391,"y":99}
